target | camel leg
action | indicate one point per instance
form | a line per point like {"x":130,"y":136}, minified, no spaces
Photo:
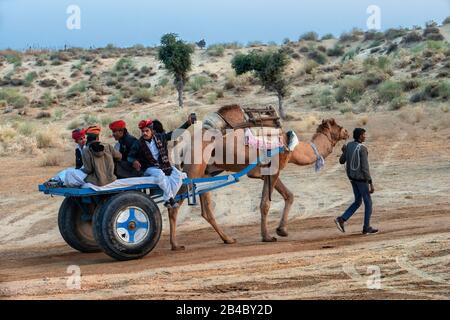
{"x":173,"y":213}
{"x":265,"y":206}
{"x":288,"y":201}
{"x":208,"y":215}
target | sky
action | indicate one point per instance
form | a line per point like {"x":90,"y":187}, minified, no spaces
{"x":43,"y":23}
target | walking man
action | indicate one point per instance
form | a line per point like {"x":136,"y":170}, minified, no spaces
{"x":355,"y":156}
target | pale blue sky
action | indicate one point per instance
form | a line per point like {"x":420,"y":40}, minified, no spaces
{"x":42,"y":23}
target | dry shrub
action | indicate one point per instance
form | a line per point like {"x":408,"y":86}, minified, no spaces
{"x":44,"y":140}
{"x":53,"y":159}
{"x":363,"y":120}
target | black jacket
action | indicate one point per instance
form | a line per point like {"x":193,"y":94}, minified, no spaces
{"x":136,"y":152}
{"x":356,"y":158}
{"x":78,"y":159}
{"x":126,"y":143}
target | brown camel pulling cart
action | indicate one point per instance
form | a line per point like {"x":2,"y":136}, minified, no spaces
{"x":126,"y":223}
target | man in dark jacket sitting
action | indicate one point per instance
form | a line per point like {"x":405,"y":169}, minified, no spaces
{"x":124,"y":144}
{"x":355,"y":156}
{"x":150,"y":155}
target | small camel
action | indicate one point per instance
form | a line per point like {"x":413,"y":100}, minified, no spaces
{"x":328,"y":134}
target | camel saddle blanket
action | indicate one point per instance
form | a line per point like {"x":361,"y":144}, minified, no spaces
{"x":264,"y":138}
{"x":253,"y":118}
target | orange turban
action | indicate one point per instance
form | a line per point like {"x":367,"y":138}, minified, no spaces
{"x":95,"y":130}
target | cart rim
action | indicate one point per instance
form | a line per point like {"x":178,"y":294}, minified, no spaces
{"x":132,"y":225}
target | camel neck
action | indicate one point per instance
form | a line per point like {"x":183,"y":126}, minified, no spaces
{"x":324,"y":144}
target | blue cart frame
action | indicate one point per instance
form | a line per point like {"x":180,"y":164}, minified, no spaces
{"x":82,"y":200}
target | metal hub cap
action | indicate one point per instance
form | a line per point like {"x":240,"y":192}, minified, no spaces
{"x":132,"y":225}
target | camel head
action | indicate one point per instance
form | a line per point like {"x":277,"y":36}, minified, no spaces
{"x":334,"y":131}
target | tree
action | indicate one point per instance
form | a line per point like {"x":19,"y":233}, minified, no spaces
{"x":176,"y":56}
{"x":201,"y":44}
{"x":269,"y":67}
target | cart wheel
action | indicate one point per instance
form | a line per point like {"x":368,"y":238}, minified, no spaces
{"x":76,"y":228}
{"x":128,"y":226}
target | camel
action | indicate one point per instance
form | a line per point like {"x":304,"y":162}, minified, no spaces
{"x":328,"y":134}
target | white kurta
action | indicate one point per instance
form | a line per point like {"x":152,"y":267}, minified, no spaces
{"x":168,"y":184}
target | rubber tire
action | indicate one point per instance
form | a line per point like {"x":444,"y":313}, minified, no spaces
{"x":105,"y":217}
{"x":69,"y":220}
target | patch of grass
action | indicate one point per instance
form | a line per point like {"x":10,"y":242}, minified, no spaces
{"x":317,"y":56}
{"x":327,"y":36}
{"x":197,"y":83}
{"x":336,"y":51}
{"x":76,"y":89}
{"x":142,"y":95}
{"x":44,"y":140}
{"x":398,"y":102}
{"x":124,"y":64}
{"x":310,"y":66}
{"x":211,"y":97}
{"x":14,"y":58}
{"x":389,"y":90}
{"x":327,"y":99}
{"x":51,"y":160}
{"x":74,"y":124}
{"x":350,"y":89}
{"x":105,"y":121}
{"x":216,"y":50}
{"x":26,"y":129}
{"x":90,"y":120}
{"x":309,"y":36}
{"x":13,"y":97}
{"x":30,"y":77}
{"x":114,"y":100}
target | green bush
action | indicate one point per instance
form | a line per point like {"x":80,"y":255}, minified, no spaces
{"x":114,"y":100}
{"x":76,"y":89}
{"x":197,"y":83}
{"x":14,"y":58}
{"x":398,"y":102}
{"x":124,"y":64}
{"x":142,"y":95}
{"x":216,"y":50}
{"x":317,"y":56}
{"x":328,"y":36}
{"x":163,"y":82}
{"x":309,"y":36}
{"x":90,"y":120}
{"x":30,"y":77}
{"x":389,"y":90}
{"x":13,"y":97}
{"x":351,"y":88}
{"x":336,"y":51}
{"x":211,"y":97}
{"x":326,"y":98}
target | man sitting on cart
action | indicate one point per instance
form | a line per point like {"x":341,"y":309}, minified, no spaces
{"x":150,"y":156}
{"x":124,"y":143}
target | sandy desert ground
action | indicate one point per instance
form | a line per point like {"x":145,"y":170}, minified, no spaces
{"x":409,"y":152}
{"x":412,"y":252}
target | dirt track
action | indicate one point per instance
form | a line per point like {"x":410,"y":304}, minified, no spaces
{"x":412,"y":252}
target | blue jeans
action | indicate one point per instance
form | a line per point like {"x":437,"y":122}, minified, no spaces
{"x":361,"y":191}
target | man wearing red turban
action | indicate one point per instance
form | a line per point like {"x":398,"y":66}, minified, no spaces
{"x":150,"y":155}
{"x":124,"y":143}
{"x":79,"y":136}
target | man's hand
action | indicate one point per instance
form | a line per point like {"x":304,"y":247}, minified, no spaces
{"x":371,"y":188}
{"x":137,"y":165}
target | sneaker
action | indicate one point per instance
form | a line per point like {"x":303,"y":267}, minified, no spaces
{"x":370,"y":230}
{"x":340,"y":224}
